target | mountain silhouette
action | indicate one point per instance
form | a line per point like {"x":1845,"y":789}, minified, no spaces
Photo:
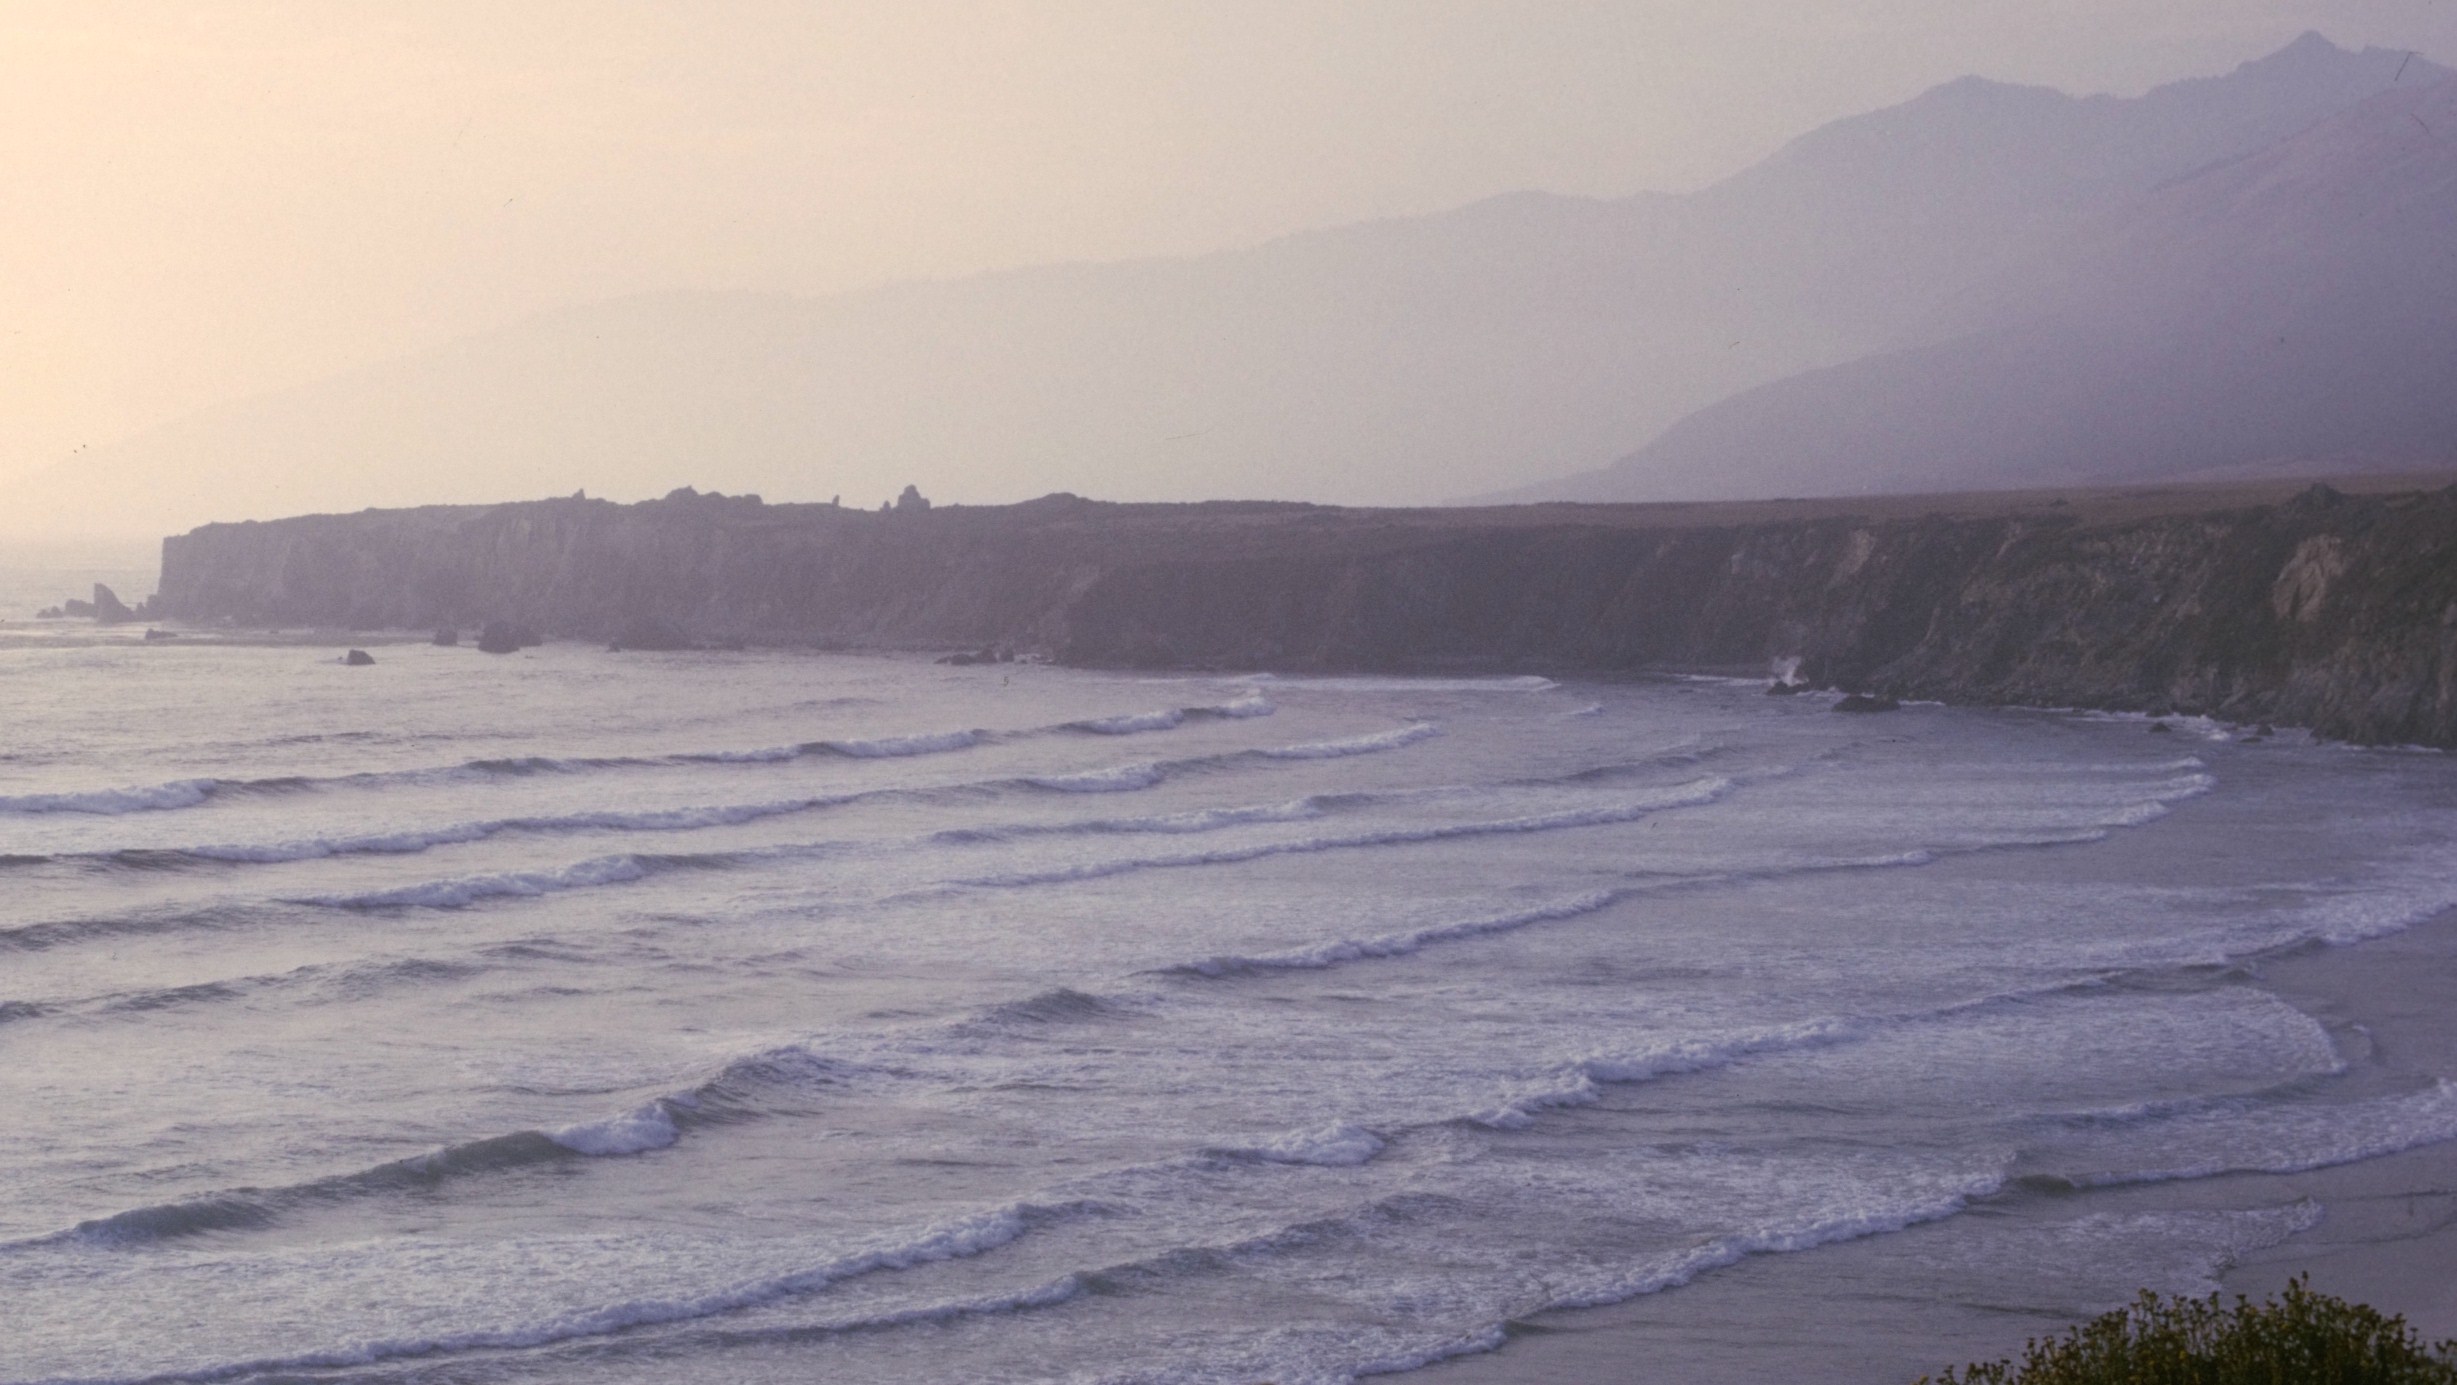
{"x":1399,"y":361}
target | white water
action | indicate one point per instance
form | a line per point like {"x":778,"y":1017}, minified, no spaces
{"x":488,"y":1019}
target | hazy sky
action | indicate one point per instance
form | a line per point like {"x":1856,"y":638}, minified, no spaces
{"x":201,"y":201}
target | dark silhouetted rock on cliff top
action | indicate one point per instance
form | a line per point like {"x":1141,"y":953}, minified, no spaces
{"x":2337,"y":612}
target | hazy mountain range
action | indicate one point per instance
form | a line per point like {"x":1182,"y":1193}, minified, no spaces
{"x":2291,"y":311}
{"x":1986,"y":285}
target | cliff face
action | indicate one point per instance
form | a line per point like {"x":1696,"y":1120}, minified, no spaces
{"x":2330,"y":611}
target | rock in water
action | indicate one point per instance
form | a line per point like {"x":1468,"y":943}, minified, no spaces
{"x":447,"y":636}
{"x":1784,"y":687}
{"x":108,"y":608}
{"x":358,"y":658}
{"x":502,"y":637}
{"x":1862,"y":702}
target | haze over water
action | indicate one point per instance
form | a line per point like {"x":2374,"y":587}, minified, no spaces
{"x":782,"y":1017}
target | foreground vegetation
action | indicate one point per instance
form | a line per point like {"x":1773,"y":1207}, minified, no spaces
{"x":2300,"y":1338}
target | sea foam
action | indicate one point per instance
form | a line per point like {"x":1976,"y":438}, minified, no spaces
{"x":180,"y":793}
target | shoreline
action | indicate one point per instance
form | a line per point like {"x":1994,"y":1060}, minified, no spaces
{"x":82,"y":633}
{"x":2386,"y":1234}
{"x":2323,"y":608}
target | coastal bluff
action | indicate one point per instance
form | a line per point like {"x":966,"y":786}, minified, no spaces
{"x":2255,"y":602}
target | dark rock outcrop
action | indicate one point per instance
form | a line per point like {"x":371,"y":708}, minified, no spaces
{"x":358,"y":658}
{"x":109,"y":609}
{"x":2338,"y":612}
{"x":504,"y":637}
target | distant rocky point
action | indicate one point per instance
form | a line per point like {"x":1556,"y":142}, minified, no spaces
{"x":106,"y":608}
{"x":2335,"y":610}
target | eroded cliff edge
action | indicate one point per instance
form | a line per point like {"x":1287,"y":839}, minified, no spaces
{"x":2320,"y":609}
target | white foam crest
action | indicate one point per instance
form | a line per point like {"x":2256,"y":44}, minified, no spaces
{"x":1252,"y":704}
{"x":1628,"y":810}
{"x":1212,"y":819}
{"x":1521,"y":683}
{"x":1060,"y":1290}
{"x":1592,"y":709}
{"x":1832,"y":1226}
{"x":1571,"y":1086}
{"x":888,"y":747}
{"x":953,"y":1238}
{"x":636,"y":1131}
{"x":1338,"y":951}
{"x":2241,"y":1137}
{"x":412,"y":842}
{"x":1115,"y":779}
{"x":467,"y":890}
{"x":2204,"y":727}
{"x":1575,"y":1084}
{"x":2178,"y":765}
{"x":1679,"y":1268}
{"x":1187,"y":823}
{"x":2097,"y":822}
{"x":2359,"y":915}
{"x":155,"y":798}
{"x":1355,"y":745}
{"x":1133,"y":723}
{"x":2163,"y":796}
{"x":1336,"y":1145}
{"x":315,"y":848}
{"x":767,"y":755}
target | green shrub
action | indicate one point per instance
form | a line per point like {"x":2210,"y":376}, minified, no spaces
{"x":2301,"y":1338}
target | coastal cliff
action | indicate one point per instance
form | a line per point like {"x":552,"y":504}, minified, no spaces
{"x":2313,"y":608}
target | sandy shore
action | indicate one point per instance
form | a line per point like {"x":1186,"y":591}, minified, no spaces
{"x":2386,"y":1234}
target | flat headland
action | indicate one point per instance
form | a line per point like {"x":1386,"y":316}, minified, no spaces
{"x":2329,"y":606}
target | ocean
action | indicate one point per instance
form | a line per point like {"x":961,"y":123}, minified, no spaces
{"x":738,"y":1017}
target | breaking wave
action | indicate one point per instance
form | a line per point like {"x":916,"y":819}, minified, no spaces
{"x":1628,"y":810}
{"x":1336,"y":1145}
{"x":1355,"y":745}
{"x":950,"y":1238}
{"x":181,"y":793}
{"x":1576,"y":1083}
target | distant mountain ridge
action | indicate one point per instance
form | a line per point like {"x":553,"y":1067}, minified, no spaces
{"x":1400,"y":361}
{"x":2294,"y":310}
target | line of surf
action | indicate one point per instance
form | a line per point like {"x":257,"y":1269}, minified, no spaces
{"x":1694,"y":793}
{"x":1106,"y":779}
{"x":751,"y":1086}
{"x":737,"y":1089}
{"x":957,"y":1237}
{"x":2215,"y":1136}
{"x":180,"y":794}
